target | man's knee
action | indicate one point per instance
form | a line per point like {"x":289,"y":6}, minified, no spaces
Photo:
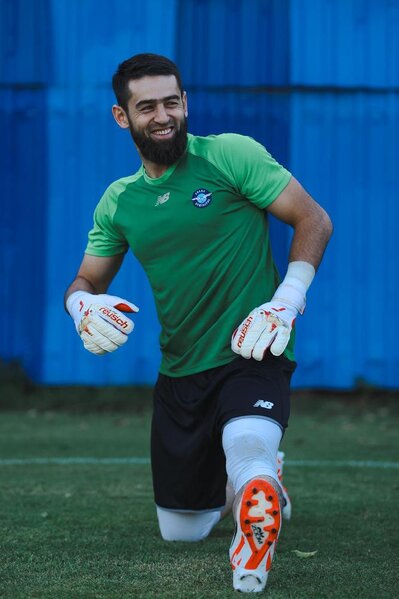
{"x":186,"y":526}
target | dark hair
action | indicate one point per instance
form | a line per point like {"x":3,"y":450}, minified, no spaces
{"x":141,"y":65}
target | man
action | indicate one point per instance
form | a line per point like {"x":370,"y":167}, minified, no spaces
{"x":195,"y":217}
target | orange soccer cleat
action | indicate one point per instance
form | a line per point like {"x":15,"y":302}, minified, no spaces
{"x":258,"y":525}
{"x":287,"y":505}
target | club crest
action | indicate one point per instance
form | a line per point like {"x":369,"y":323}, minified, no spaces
{"x":201,"y":198}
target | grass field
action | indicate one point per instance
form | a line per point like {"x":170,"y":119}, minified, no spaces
{"x":72,"y":529}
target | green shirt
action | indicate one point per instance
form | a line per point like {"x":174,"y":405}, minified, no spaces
{"x":201,"y":235}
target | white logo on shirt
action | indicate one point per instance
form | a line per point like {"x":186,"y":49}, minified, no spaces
{"x":162,"y":199}
{"x":263,"y":404}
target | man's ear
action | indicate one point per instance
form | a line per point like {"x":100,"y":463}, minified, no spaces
{"x":185,"y":104}
{"x":120,"y":116}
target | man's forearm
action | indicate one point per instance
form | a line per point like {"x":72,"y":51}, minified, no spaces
{"x":311,"y":236}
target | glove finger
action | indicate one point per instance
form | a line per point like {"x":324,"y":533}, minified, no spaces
{"x":248,"y":345}
{"x":90,"y":345}
{"x":92,"y":335}
{"x":247,"y":335}
{"x":272,"y":324}
{"x":126,"y":307}
{"x":93,"y":348}
{"x":266,"y":338}
{"x":281,"y":340}
{"x":114,"y":317}
{"x":108,"y":331}
{"x":237,"y":336}
{"x":117,"y":302}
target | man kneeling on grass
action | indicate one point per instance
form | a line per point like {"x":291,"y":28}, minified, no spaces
{"x":195,"y":216}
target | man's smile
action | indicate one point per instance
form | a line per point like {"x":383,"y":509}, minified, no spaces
{"x":165,"y":133}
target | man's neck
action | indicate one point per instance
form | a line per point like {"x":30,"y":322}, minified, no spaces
{"x":153,"y":170}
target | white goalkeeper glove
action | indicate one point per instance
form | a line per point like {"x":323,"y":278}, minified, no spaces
{"x":99,"y":320}
{"x":269,"y":326}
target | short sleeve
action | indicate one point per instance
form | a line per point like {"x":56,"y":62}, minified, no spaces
{"x":252,"y":169}
{"x":104,"y":238}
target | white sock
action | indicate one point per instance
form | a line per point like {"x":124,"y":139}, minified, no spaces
{"x":186,"y":526}
{"x":250,"y":445}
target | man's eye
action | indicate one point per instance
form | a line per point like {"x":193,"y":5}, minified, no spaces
{"x":172,"y":104}
{"x":146,"y":108}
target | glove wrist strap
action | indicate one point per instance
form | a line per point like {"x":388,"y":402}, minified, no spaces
{"x":72,"y":303}
{"x":292,"y":290}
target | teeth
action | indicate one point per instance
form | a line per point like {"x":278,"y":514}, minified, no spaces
{"x":162,"y":131}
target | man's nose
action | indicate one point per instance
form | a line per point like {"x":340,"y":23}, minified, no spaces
{"x":161,"y":116}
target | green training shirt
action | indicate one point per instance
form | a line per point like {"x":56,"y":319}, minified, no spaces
{"x":201,"y":235}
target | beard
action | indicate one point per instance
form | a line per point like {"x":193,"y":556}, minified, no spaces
{"x":161,"y":152}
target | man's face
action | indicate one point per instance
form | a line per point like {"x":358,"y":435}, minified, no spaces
{"x":157,"y":117}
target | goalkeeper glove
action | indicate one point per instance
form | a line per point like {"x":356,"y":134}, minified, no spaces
{"x":99,"y":320}
{"x":270,"y":325}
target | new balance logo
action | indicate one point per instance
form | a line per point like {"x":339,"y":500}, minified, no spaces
{"x":263,"y":404}
{"x":162,"y":199}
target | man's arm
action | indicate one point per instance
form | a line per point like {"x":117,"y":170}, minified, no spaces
{"x":312,"y":225}
{"x":270,"y":325}
{"x":99,"y":318}
{"x":95,"y":274}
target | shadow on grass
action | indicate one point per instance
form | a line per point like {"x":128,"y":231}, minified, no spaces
{"x":19,"y":392}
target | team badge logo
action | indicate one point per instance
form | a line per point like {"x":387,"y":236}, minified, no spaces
{"x":201,"y":198}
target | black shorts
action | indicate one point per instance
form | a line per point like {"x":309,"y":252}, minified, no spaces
{"x":188,"y":462}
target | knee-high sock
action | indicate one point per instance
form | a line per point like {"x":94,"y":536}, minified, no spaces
{"x":250,"y":445}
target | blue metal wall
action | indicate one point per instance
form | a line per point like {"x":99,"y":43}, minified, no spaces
{"x":316,"y":82}
{"x":87,"y":151}
{"x":344,"y":147}
{"x":233,"y":42}
{"x":23,"y":77}
{"x":23,"y":218}
{"x":347,"y":335}
{"x":350,"y":43}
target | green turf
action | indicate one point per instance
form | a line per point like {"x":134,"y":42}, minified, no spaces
{"x":90,"y":531}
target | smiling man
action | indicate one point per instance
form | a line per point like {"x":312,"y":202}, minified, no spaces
{"x":195,"y":216}
{"x":153,"y":118}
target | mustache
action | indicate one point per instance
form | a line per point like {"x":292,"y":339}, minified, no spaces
{"x":172,"y":124}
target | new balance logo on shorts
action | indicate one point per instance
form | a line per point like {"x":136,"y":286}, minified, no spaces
{"x":263,"y":404}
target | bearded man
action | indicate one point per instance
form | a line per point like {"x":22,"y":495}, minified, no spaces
{"x":195,"y":216}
